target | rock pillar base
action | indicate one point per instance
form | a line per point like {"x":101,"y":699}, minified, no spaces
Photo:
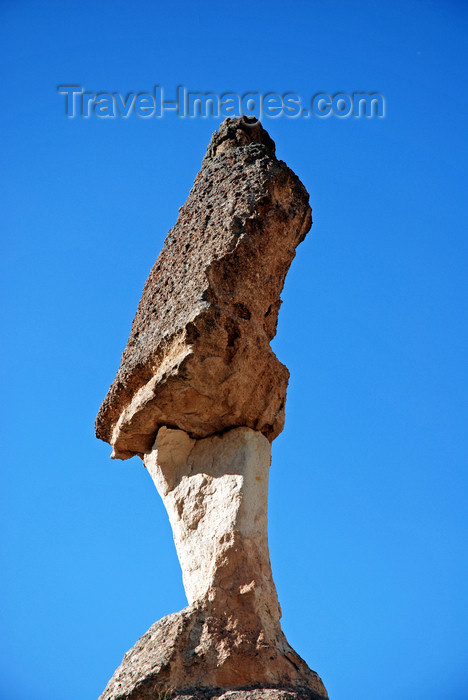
{"x":194,"y":654}
{"x":229,"y":637}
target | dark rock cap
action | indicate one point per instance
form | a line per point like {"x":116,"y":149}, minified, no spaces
{"x":198,"y":357}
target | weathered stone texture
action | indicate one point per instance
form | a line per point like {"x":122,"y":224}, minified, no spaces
{"x":198,"y":357}
{"x":200,"y":396}
{"x":199,"y":651}
{"x":216,"y":493}
{"x":249,"y":694}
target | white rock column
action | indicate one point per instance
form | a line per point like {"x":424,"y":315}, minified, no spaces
{"x":216,"y":494}
{"x":215,"y":491}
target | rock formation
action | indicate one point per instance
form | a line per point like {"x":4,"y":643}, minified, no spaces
{"x":199,"y":396}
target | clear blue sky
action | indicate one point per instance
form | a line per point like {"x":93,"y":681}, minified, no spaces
{"x":368,"y":505}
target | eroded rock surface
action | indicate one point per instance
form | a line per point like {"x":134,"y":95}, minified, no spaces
{"x":215,"y":491}
{"x":199,"y":396}
{"x":198,"y":357}
{"x":199,"y":653}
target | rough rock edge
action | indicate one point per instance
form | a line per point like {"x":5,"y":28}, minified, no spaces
{"x":238,"y":132}
{"x":135,"y":394}
{"x":172,"y":657}
{"x":246,"y":693}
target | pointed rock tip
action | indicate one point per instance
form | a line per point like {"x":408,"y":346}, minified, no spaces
{"x":236,"y":132}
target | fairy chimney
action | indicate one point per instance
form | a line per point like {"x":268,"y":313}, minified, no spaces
{"x":200,"y":396}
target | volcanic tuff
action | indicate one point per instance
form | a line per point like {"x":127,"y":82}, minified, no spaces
{"x":198,"y":357}
{"x":216,"y":492}
{"x":200,"y":396}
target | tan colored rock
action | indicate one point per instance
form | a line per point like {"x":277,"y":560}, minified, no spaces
{"x":198,"y":653}
{"x":198,"y":357}
{"x":216,"y":492}
{"x":199,"y":396}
